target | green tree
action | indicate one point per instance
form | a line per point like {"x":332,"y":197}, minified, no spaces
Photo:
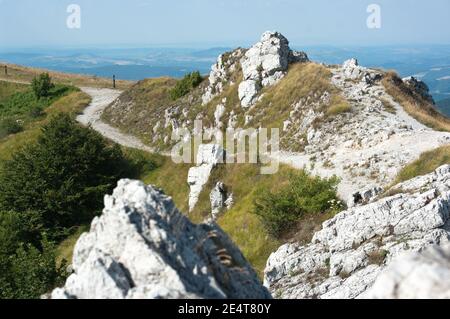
{"x":42,"y":85}
{"x":62,"y":177}
{"x":185,"y":85}
{"x":280,"y":209}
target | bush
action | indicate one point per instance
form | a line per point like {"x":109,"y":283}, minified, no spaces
{"x":63,"y":176}
{"x":184,"y":86}
{"x":27,"y":264}
{"x":42,"y":85}
{"x":303,"y":194}
{"x":9,"y":126}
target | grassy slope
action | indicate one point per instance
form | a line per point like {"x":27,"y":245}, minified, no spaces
{"x":426,"y":164}
{"x":26,"y":74}
{"x":414,"y":104}
{"x":73,"y":103}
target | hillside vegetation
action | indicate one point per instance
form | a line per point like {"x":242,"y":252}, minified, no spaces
{"x":53,"y":176}
{"x":27,"y":74}
{"x":149,"y":111}
{"x":414,"y":104}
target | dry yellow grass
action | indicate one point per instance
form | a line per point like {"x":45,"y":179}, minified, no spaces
{"x":303,"y":80}
{"x":414,"y":104}
{"x":26,"y":74}
{"x":426,"y":164}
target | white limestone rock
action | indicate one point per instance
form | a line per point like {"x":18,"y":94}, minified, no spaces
{"x":143,"y":247}
{"x":265,"y":64}
{"x":220,"y":74}
{"x":424,"y":275}
{"x":208,"y":156}
{"x":345,"y":257}
{"x":220,"y":199}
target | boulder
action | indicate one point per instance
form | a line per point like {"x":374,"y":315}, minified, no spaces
{"x":143,"y":247}
{"x":265,"y":64}
{"x":424,"y":275}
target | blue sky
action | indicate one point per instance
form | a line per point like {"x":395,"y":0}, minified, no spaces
{"x":31,"y":23}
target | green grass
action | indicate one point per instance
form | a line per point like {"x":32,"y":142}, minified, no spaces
{"x":73,"y":103}
{"x":64,"y":251}
{"x":8,"y":89}
{"x":21,"y":103}
{"x":427,"y":163}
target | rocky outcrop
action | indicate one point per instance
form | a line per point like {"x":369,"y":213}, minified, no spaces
{"x":208,"y":156}
{"x":424,"y":275}
{"x":347,"y":255}
{"x":220,"y":74}
{"x":368,"y":144}
{"x":220,"y":199}
{"x":419,"y":87}
{"x":265,"y":64}
{"x":143,"y":247}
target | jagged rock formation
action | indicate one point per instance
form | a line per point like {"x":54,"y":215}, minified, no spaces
{"x":419,"y":87}
{"x":143,"y":247}
{"x":265,"y":64}
{"x":424,"y":275}
{"x":208,"y":156}
{"x":220,"y":73}
{"x":347,"y":255}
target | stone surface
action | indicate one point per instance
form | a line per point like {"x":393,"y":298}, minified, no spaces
{"x":346,"y":256}
{"x":419,"y":87}
{"x":363,"y":196}
{"x":265,"y":64}
{"x":424,"y":275}
{"x":143,"y":247}
{"x":208,"y":156}
{"x":220,"y":73}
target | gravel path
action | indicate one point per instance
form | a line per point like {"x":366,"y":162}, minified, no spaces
{"x":91,"y":116}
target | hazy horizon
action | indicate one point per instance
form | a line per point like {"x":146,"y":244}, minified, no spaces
{"x":206,"y":23}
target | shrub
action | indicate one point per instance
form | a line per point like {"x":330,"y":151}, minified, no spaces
{"x":9,"y":126}
{"x":42,"y":85}
{"x":303,"y":194}
{"x":185,"y":85}
{"x":30,"y":272}
{"x":63,"y":176}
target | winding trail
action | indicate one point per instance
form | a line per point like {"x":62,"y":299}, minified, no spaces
{"x":91,"y":116}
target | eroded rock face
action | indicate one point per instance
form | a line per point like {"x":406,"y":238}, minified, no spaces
{"x":347,"y":255}
{"x":419,"y":87}
{"x":208,"y":156}
{"x":220,"y":72}
{"x":143,"y":247}
{"x":265,"y":64}
{"x":424,"y":275}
